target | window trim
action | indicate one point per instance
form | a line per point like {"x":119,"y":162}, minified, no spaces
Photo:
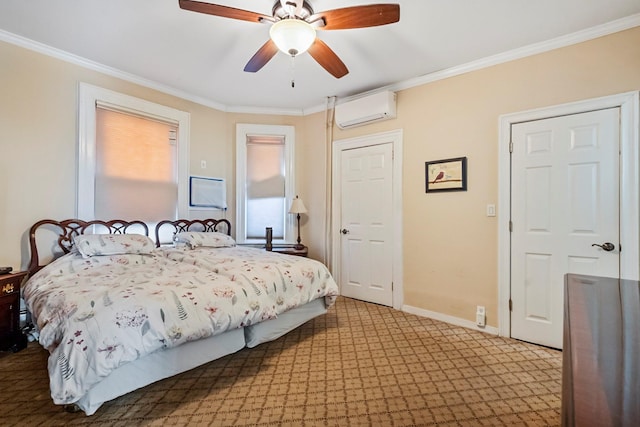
{"x":242,"y":131}
{"x":88,"y":97}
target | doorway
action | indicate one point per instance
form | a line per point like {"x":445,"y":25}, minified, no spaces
{"x":516,"y":268}
{"x":366,"y":228}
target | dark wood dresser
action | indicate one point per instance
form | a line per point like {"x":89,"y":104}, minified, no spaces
{"x":601,"y":352}
{"x":10,"y":336}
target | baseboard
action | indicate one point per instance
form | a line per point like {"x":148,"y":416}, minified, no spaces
{"x":449,"y":319}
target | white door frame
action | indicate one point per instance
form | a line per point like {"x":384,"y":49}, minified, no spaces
{"x":395,"y":138}
{"x":629,"y":187}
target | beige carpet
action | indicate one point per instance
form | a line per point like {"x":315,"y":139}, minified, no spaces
{"x":359,"y":365}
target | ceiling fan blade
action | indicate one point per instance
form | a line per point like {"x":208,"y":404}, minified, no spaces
{"x":370,"y":15}
{"x":261,"y":57}
{"x":224,"y":11}
{"x":328,"y":59}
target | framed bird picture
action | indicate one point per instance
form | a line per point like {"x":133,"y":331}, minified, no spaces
{"x":446,"y":175}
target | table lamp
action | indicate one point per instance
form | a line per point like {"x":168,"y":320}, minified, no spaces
{"x":297,"y":207}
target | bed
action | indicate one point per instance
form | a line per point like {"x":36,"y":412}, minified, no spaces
{"x":118,"y":311}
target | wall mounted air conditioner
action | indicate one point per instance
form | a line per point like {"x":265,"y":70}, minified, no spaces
{"x":365,"y":110}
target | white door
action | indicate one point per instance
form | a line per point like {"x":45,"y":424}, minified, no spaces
{"x":565,"y":201}
{"x":366,"y":223}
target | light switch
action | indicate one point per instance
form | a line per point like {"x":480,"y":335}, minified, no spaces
{"x":491,"y":210}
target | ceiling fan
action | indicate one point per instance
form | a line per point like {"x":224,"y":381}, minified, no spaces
{"x":294,"y":25}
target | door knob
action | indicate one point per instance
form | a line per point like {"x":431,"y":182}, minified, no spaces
{"x":605,"y":246}
{"x":344,"y":231}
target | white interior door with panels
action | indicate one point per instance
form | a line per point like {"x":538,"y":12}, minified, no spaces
{"x":628,"y":105}
{"x":366,"y":217}
{"x":565,"y":215}
{"x":366,"y":221}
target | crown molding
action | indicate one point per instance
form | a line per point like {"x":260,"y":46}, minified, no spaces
{"x":104,"y":69}
{"x":618,"y":25}
{"x":266,"y":110}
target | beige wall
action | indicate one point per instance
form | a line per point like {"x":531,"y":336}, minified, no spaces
{"x":450,"y":246}
{"x":38,"y":119}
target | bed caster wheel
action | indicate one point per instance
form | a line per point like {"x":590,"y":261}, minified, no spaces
{"x":72,"y":408}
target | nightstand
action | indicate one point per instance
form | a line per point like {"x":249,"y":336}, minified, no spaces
{"x":11,"y":338}
{"x":290,"y":250}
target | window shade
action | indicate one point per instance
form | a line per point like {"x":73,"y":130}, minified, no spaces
{"x":136,"y":173}
{"x":265,"y":186}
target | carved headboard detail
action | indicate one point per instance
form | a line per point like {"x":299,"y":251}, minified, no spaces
{"x":181,"y":225}
{"x":67,"y":229}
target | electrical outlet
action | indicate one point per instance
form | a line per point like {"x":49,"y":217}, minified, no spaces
{"x":203,"y":164}
{"x":480,"y":316}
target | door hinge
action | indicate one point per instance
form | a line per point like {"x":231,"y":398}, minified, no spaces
{"x":511,"y":146}
{"x":510,"y":226}
{"x":510,"y":305}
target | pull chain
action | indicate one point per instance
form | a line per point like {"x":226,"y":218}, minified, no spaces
{"x":293,"y":69}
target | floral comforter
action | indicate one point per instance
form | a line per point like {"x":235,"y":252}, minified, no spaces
{"x":95,"y":314}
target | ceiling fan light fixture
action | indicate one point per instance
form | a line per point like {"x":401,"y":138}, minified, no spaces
{"x":292,"y":36}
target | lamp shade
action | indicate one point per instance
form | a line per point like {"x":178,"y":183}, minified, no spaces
{"x":297,"y":206}
{"x":292,"y":36}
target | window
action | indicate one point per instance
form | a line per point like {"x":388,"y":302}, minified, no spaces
{"x":264,"y":182}
{"x":135,"y":175}
{"x":132,"y":158}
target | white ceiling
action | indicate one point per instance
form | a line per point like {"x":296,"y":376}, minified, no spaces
{"x":201,"y":57}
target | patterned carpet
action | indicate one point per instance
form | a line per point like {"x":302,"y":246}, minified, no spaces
{"x":359,"y":365}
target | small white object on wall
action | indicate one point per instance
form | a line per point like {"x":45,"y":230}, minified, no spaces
{"x":480,"y":316}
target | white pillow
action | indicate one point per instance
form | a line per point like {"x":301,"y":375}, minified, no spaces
{"x":213,"y":239}
{"x":112,"y":244}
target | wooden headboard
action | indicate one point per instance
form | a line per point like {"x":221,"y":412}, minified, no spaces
{"x":64,"y":232}
{"x":67,"y":229}
{"x":181,"y":225}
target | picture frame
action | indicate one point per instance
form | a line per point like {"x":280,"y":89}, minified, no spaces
{"x":446,"y":175}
